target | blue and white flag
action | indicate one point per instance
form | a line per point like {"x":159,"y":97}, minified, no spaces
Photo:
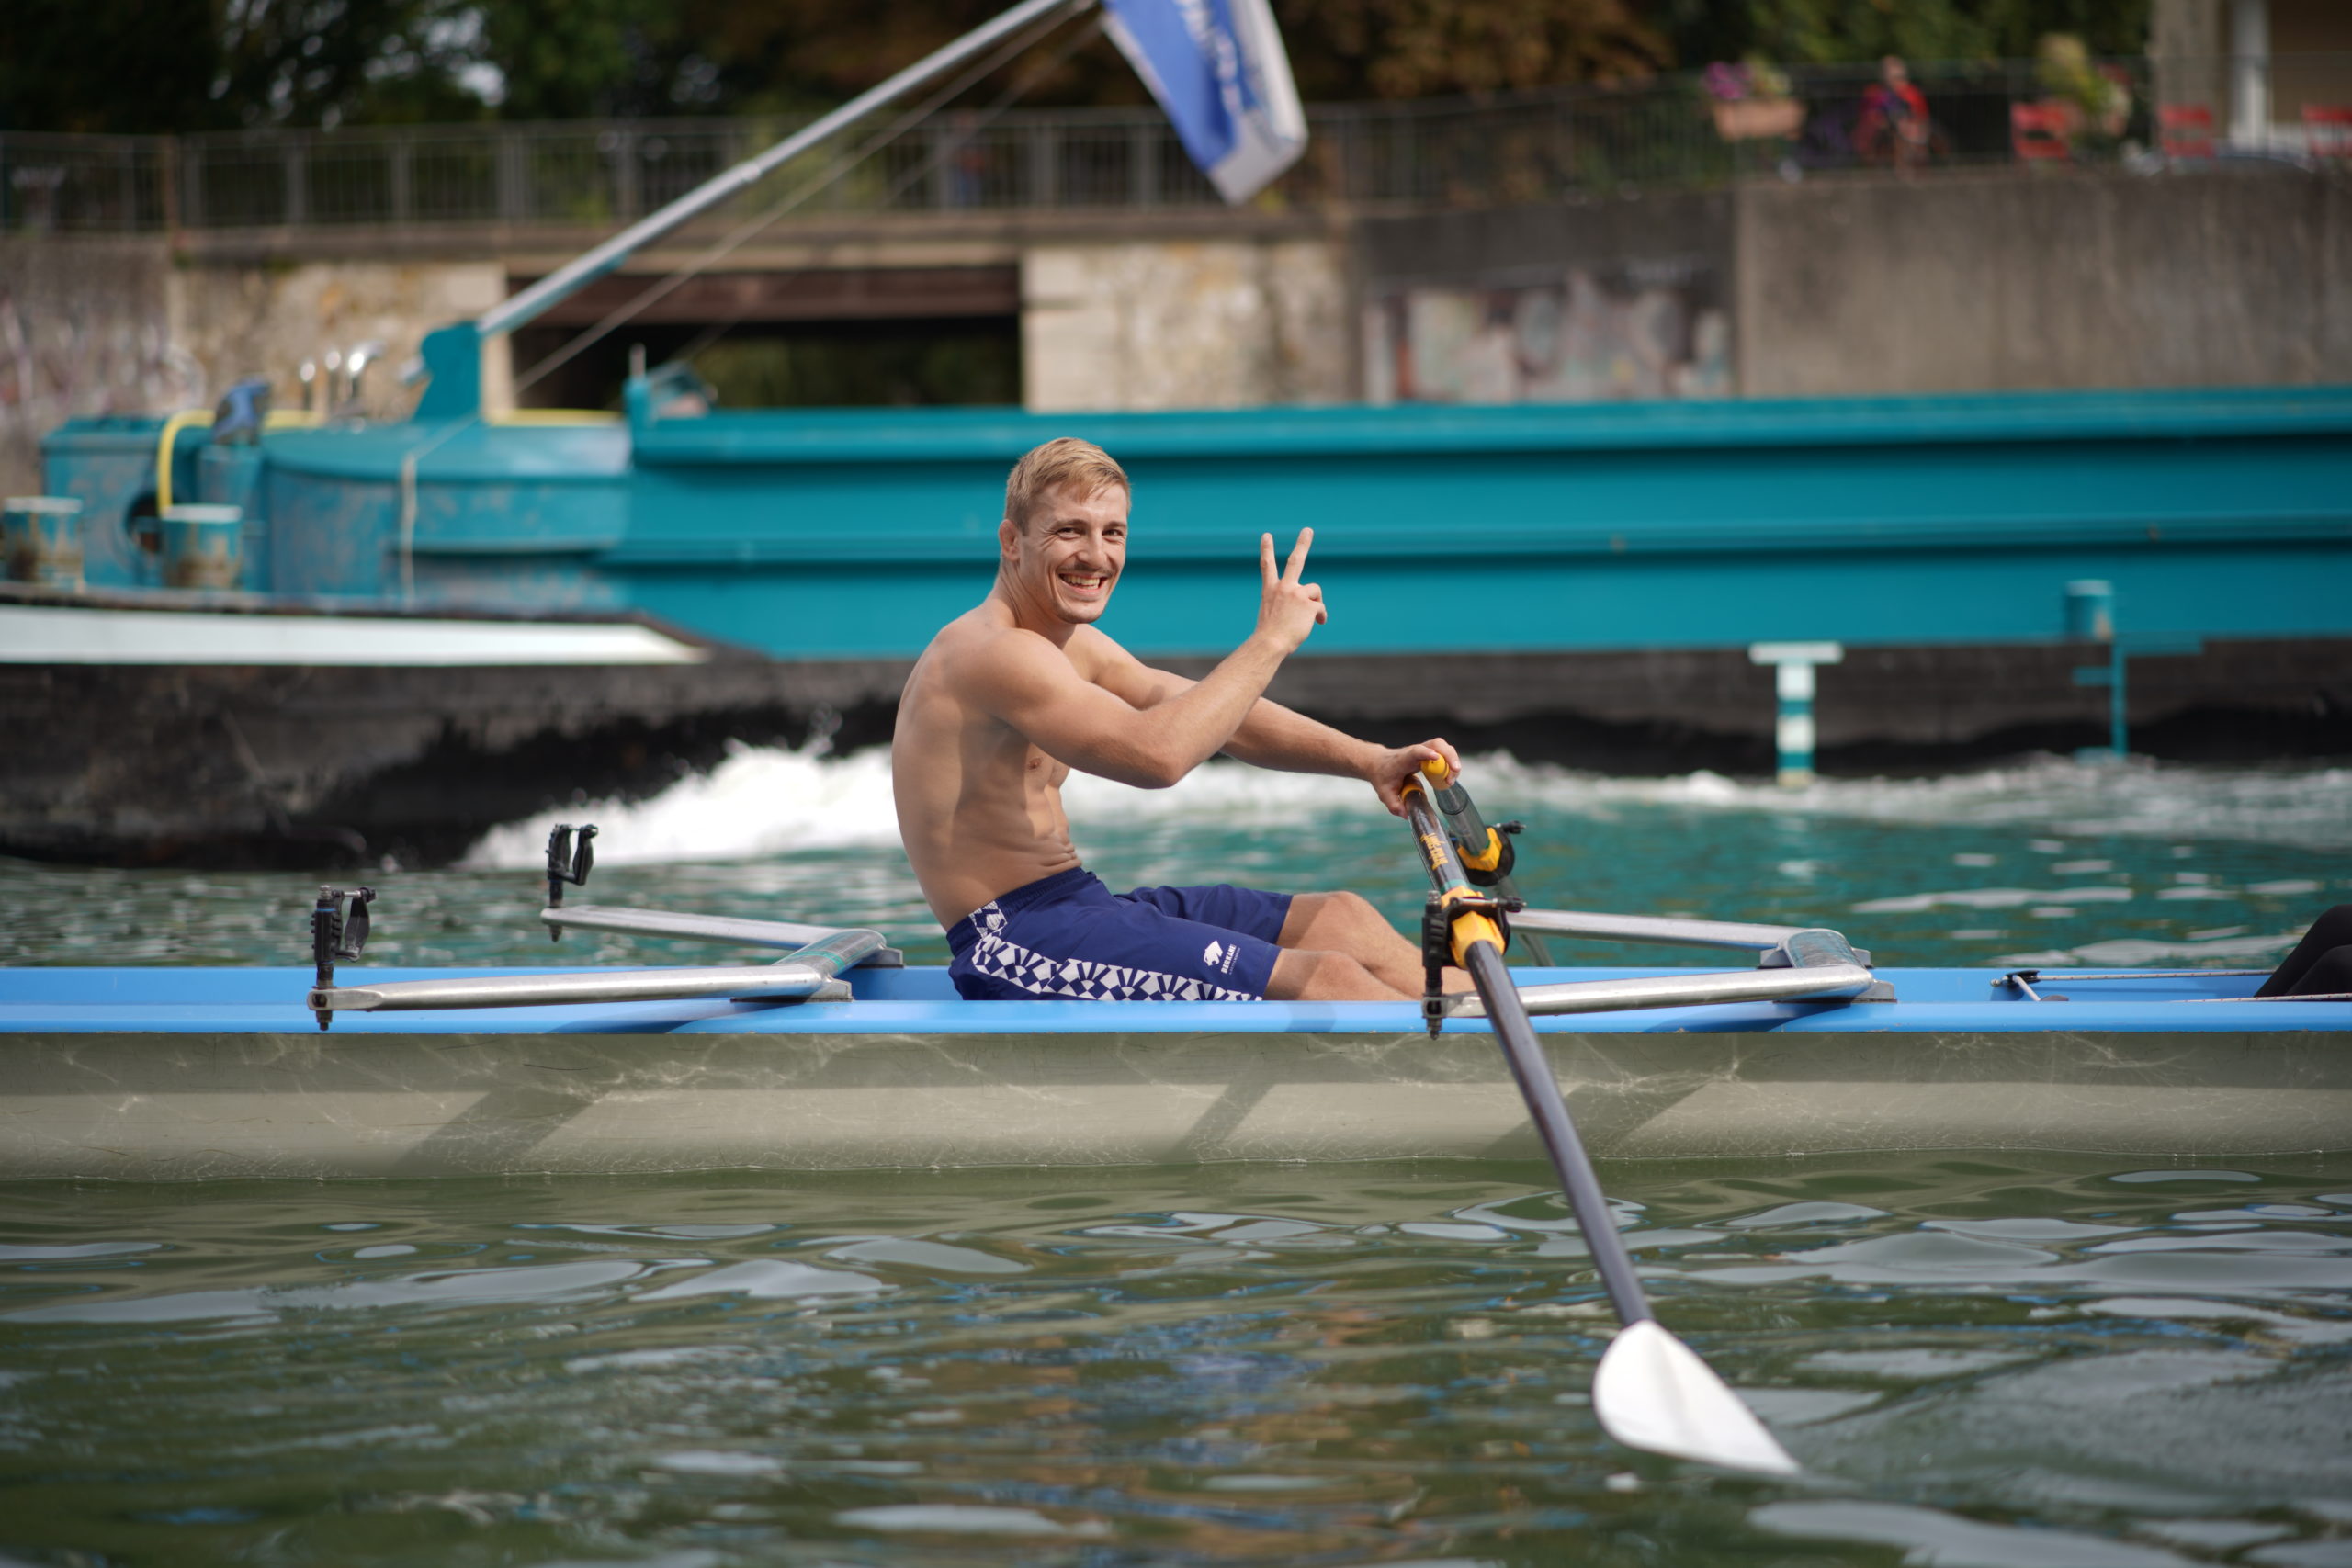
{"x":1218,"y":67}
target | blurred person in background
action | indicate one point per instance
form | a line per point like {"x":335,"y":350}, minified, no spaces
{"x":1895,"y":129}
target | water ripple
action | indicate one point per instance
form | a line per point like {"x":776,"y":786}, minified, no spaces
{"x":1989,"y":1357}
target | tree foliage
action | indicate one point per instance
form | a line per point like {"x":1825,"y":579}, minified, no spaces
{"x":1411,"y":49}
{"x":106,"y":65}
{"x":146,"y":65}
{"x":1826,"y":30}
{"x":130,"y":66}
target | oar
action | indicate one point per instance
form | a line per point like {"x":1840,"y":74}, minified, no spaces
{"x":1652,"y":1392}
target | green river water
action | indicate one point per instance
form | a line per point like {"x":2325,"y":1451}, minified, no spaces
{"x":1983,"y":1361}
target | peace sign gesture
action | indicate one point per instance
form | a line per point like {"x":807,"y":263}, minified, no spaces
{"x":1287,"y":608}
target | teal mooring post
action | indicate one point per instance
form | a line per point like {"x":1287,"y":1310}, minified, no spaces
{"x":2090,"y":617}
{"x":1792,"y":734}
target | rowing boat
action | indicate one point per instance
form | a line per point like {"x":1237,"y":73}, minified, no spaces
{"x":175,"y":1074}
{"x":839,"y":1055}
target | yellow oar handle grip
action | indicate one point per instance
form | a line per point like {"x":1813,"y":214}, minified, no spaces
{"x":1436,"y":771}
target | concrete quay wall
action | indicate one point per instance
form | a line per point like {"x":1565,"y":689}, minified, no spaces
{"x":1983,"y":283}
{"x":1961,"y":281}
{"x":296,"y":768}
{"x":121,"y":326}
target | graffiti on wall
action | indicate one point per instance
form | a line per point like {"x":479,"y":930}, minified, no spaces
{"x":68,"y":353}
{"x":1573,"y":336}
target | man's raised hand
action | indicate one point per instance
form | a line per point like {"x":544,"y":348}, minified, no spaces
{"x":1287,"y":608}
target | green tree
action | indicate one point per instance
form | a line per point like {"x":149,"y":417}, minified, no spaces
{"x":160,"y":65}
{"x":1410,"y":48}
{"x":575,"y":59}
{"x":146,"y":65}
{"x":1826,"y":30}
{"x":821,"y":51}
{"x":123,"y":66}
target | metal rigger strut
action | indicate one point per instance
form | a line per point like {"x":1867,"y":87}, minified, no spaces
{"x":815,"y":956}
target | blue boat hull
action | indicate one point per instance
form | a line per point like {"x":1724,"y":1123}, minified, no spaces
{"x":184,"y":1074}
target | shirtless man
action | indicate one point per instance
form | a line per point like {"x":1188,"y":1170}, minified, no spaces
{"x":1014,"y":693}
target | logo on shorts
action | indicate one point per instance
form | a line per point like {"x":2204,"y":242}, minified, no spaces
{"x":1216,"y":955}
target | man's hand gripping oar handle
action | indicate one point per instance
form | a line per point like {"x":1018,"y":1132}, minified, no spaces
{"x":1651,"y":1391}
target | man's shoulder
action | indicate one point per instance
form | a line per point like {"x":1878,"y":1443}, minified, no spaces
{"x":1092,"y":651}
{"x":981,"y":650}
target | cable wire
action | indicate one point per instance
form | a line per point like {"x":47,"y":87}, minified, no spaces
{"x":735,"y":241}
{"x":946,"y":150}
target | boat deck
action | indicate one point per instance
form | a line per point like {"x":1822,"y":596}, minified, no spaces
{"x":920,"y":1001}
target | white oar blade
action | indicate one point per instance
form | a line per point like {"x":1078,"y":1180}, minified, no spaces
{"x":1653,"y":1393}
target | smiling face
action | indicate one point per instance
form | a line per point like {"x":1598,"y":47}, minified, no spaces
{"x":1060,"y":570}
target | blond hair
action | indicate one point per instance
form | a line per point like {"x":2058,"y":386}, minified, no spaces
{"x":1065,"y":460}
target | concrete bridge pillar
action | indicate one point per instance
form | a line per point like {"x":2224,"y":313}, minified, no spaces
{"x":1185,"y":323}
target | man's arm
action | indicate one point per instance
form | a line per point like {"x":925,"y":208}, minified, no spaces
{"x":1271,"y":735}
{"x":1034,"y":687}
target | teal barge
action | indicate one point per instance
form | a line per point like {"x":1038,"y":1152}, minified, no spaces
{"x":1606,"y":571}
{"x":842,"y":535}
{"x":847,"y":534}
{"x":1937,"y":535}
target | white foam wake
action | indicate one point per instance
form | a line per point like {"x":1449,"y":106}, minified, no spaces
{"x":762,"y":801}
{"x":2300,"y":805}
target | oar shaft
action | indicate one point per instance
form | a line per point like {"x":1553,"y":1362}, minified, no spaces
{"x":1532,"y":1070}
{"x":1477,"y":951}
{"x":1650,"y":1392}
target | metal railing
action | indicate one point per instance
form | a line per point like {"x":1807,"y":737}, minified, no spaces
{"x":595,"y":174}
{"x":90,"y":183}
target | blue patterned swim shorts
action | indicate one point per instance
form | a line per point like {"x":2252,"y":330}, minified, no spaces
{"x":1067,"y":936}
